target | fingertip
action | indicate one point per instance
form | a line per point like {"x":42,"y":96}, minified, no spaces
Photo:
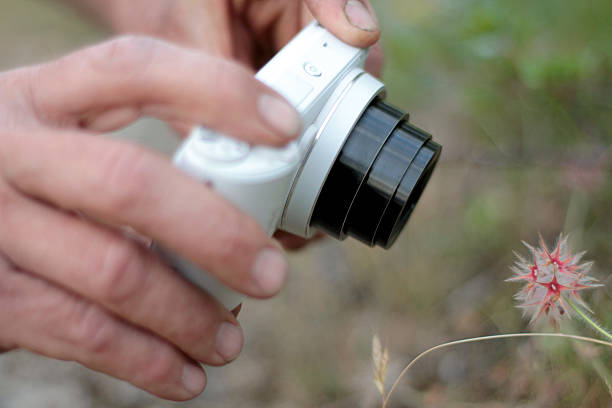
{"x":229,"y":341}
{"x":194,"y":380}
{"x":361,"y":15}
{"x":353,"y":21}
{"x":280,"y":116}
{"x":270,"y":272}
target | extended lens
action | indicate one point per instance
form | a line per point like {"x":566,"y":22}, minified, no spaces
{"x":352,"y":166}
{"x":408,"y":193}
{"x":381,"y":184}
{"x":377,"y":178}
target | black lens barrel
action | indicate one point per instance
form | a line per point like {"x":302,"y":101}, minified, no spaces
{"x":377,"y":178}
{"x":352,"y":166}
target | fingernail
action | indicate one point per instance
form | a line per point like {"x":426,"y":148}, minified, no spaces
{"x":194,"y":379}
{"x":359,"y":16}
{"x":229,"y":341}
{"x":280,"y":115}
{"x":270,"y":270}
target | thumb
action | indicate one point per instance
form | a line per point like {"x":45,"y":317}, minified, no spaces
{"x":353,"y":21}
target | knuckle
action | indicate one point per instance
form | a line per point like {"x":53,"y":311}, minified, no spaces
{"x":22,"y":175}
{"x":121,"y":273}
{"x":125,"y":55}
{"x":19,"y":87}
{"x":126,"y":174}
{"x":92,"y":330}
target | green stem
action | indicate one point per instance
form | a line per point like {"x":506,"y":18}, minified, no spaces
{"x":588,"y":319}
{"x":488,"y":338}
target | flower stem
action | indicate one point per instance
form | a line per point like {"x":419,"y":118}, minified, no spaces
{"x":589,"y":320}
{"x":486,"y":338}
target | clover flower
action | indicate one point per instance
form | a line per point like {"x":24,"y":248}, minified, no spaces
{"x":552,"y":278}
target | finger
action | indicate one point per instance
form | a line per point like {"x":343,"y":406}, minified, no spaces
{"x":110,"y":85}
{"x":45,"y":319}
{"x":374,"y":63}
{"x":293,"y":242}
{"x":353,"y":21}
{"x":124,"y":184}
{"x":103,"y":266}
{"x":196,"y":24}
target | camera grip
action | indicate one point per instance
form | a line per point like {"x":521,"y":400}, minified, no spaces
{"x":254,"y":179}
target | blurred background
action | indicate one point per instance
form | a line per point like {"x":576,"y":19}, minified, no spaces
{"x":519,"y":94}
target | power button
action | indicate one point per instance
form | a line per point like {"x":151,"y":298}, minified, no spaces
{"x":312,"y":69}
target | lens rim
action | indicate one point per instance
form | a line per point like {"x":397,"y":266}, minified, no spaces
{"x":429,"y":154}
{"x":333,"y":125}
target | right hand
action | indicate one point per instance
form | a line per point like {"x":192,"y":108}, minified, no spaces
{"x":250,"y":31}
{"x":73,"y":285}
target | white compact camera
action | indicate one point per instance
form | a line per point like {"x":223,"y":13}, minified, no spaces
{"x":357,"y":169}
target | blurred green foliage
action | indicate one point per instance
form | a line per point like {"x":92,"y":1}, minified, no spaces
{"x":516,"y":68}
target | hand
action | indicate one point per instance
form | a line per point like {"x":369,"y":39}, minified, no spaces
{"x":247,"y":30}
{"x":73,"y":284}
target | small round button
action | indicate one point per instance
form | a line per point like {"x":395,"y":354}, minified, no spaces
{"x":312,"y":70}
{"x":221,"y":149}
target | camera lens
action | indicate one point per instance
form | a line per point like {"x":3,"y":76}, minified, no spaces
{"x":377,"y":178}
{"x":408,"y":193}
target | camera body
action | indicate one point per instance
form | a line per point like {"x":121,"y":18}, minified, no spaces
{"x":281,"y":188}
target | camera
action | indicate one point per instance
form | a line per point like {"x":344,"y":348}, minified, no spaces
{"x":358,"y":168}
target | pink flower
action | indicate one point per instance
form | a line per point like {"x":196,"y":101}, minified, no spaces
{"x":550,"y":275}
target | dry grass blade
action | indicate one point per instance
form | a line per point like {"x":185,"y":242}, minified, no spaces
{"x":380,"y":358}
{"x":487,"y":338}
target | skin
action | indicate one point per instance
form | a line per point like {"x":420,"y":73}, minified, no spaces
{"x":250,"y":32}
{"x":76,"y":284}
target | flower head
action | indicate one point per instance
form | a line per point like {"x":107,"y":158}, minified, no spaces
{"x":549,"y":275}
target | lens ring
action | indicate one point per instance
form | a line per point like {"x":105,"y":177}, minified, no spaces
{"x":407,"y":195}
{"x":383,"y":181}
{"x":352,"y":166}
